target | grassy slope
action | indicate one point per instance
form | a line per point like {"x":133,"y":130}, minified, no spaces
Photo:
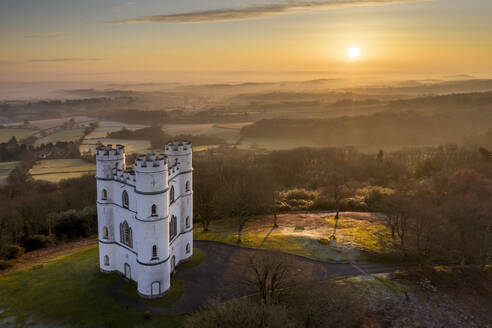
{"x":70,"y":292}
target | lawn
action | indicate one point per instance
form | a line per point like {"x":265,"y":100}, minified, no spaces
{"x":361,"y":237}
{"x":65,"y":135}
{"x":71,"y":292}
{"x":5,"y":168}
{"x":7,"y":133}
{"x":54,"y":170}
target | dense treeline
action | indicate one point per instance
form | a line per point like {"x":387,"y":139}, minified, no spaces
{"x":436,"y":201}
{"x":158,"y":137}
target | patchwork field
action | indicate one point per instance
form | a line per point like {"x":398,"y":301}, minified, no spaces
{"x":228,"y":132}
{"x":5,"y":168}
{"x":65,"y":135}
{"x":131,"y":146}
{"x":361,"y":237}
{"x":54,"y":170}
{"x":7,"y":133}
{"x":72,"y":292}
{"x":272,"y":144}
{"x":51,"y":123}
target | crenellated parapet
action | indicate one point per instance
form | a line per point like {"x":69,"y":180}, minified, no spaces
{"x":109,"y":153}
{"x":150,"y":163}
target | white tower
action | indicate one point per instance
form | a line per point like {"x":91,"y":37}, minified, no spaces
{"x":145,"y":215}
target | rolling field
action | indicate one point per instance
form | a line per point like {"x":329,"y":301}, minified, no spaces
{"x":131,"y":146}
{"x":361,"y":237}
{"x":72,"y":292}
{"x":228,"y":132}
{"x":7,"y":133}
{"x":66,"y":135}
{"x":54,"y":170}
{"x":273,"y":144}
{"x":5,"y":168}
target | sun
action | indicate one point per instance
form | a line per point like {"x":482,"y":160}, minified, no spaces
{"x":353,"y":52}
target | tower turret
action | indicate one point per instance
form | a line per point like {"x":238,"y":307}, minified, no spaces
{"x":109,"y":160}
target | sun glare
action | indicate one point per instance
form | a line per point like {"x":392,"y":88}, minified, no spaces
{"x":353,"y":52}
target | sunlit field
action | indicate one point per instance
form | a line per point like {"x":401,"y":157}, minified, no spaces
{"x":54,"y":170}
{"x":131,"y":146}
{"x":65,"y":135}
{"x":7,"y":133}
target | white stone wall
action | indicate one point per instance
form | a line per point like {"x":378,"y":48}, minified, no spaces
{"x":149,"y":185}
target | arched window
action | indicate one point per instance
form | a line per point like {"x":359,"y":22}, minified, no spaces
{"x":187,"y":221}
{"x":125,"y":201}
{"x":126,"y":236}
{"x":171,"y":195}
{"x":106,"y":260}
{"x":154,"y":251}
{"x":173,"y":227}
{"x":187,"y":186}
{"x":104,"y":195}
{"x":105,"y":232}
{"x":188,"y":248}
{"x":154,"y":210}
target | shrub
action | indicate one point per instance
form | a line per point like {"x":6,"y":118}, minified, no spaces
{"x":13,"y":251}
{"x":35,"y":242}
{"x":5,"y":265}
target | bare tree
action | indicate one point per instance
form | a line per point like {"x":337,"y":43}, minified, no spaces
{"x":268,"y":273}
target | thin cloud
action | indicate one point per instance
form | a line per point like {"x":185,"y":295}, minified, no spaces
{"x":252,"y":12}
{"x":61,"y":60}
{"x":51,"y":35}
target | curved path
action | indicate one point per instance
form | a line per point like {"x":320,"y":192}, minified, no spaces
{"x":217,"y":277}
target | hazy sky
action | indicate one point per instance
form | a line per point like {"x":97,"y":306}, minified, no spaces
{"x":156,"y":40}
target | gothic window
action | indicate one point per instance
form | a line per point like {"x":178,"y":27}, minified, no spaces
{"x":187,"y":186}
{"x":104,"y":195}
{"x":154,"y":251}
{"x":173,"y":227}
{"x":187,"y":221}
{"x":188,"y":248}
{"x":105,"y":232}
{"x":126,"y":236}
{"x":171,"y":195}
{"x":106,"y":260}
{"x":154,"y":210}
{"x":125,"y":200}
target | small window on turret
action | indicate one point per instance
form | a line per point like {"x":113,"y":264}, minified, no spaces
{"x":187,"y":186}
{"x":154,"y":210}
{"x":154,"y":251}
{"x":105,"y":232}
{"x":187,"y":221}
{"x":104,"y":195}
{"x":106,"y":260}
{"x":171,"y":195}
{"x":125,"y":201}
{"x":188,"y":248}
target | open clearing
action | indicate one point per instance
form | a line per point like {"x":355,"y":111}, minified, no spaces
{"x":5,"y":168}
{"x":7,"y":133}
{"x":361,"y":237}
{"x":54,"y":170}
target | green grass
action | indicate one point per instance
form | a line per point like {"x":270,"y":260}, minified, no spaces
{"x":197,"y":258}
{"x":174,"y":294}
{"x":54,"y":170}
{"x":65,"y":135}
{"x":70,"y":292}
{"x":7,"y":133}
{"x":5,"y":168}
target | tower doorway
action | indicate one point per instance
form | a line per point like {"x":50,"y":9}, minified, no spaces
{"x":128,"y":273}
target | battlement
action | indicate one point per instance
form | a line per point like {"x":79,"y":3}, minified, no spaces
{"x":150,"y":163}
{"x":125,"y":176}
{"x":109,"y":153}
{"x":176,"y":148}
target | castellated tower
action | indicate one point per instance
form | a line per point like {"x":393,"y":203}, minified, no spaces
{"x":145,"y":215}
